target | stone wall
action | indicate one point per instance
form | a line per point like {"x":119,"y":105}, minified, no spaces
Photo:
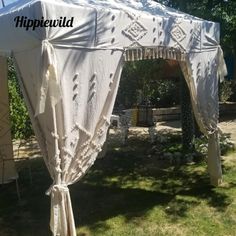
{"x":174,"y":113}
{"x":165,"y":114}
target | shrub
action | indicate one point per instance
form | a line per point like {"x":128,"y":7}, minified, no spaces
{"x":20,"y":122}
{"x":141,"y":83}
{"x":226,"y":145}
{"x":225,"y":90}
{"x":166,"y":93}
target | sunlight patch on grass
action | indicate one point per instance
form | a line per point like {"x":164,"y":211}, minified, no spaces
{"x":132,"y":182}
{"x":206,"y":220}
{"x":230,"y":159}
{"x":147,"y":224}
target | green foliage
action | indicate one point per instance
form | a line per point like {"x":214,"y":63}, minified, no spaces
{"x":233,"y":91}
{"x":21,"y":125}
{"x":141,"y":83}
{"x":174,"y":147}
{"x":165,"y":93}
{"x":170,"y":142}
{"x":226,"y":145}
{"x":225,"y":90}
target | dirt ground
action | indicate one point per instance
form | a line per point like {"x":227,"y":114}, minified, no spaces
{"x":227,"y":126}
{"x":30,"y":149}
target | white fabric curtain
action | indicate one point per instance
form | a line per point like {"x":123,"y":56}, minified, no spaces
{"x":202,"y":72}
{"x":73,"y":126}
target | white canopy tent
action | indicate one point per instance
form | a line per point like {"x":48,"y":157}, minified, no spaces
{"x":69,"y":76}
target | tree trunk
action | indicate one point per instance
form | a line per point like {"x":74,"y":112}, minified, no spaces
{"x":186,"y":116}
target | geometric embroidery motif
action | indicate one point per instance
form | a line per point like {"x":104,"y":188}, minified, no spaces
{"x":178,"y":33}
{"x":135,"y":31}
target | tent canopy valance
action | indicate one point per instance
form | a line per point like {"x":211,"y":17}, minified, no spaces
{"x":69,"y":55}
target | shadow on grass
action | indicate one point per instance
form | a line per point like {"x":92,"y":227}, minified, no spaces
{"x":30,"y":215}
{"x":126,"y":182}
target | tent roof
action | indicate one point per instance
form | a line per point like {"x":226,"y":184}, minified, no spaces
{"x":146,"y":6}
{"x":154,"y":25}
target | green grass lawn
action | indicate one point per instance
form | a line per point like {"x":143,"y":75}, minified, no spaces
{"x":128,"y":192}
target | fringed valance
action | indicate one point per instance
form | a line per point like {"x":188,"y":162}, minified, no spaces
{"x":147,"y":53}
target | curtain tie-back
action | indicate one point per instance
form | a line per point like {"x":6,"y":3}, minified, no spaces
{"x":62,"y":220}
{"x":57,"y":187}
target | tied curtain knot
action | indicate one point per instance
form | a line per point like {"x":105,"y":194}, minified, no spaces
{"x":62,"y":219}
{"x":57,"y":188}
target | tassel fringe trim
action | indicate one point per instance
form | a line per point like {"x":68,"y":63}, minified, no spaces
{"x":137,"y":54}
